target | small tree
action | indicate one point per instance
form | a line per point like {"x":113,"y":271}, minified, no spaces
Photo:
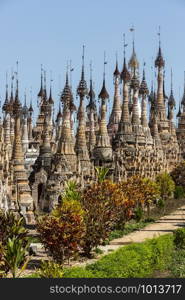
{"x":151,"y":193}
{"x":166,"y":185}
{"x":133,"y":189}
{"x":62,"y":232}
{"x":140,"y":192}
{"x":102,"y":203}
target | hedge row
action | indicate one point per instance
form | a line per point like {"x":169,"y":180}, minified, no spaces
{"x":133,"y":261}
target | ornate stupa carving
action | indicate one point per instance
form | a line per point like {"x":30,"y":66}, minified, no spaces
{"x":24,"y":138}
{"x":181,"y":123}
{"x":21,"y":193}
{"x":103,"y":149}
{"x":92,"y":118}
{"x":81,"y":142}
{"x":40,"y":150}
{"x":116,"y":108}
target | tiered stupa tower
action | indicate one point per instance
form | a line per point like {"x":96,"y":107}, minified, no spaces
{"x":21,"y":193}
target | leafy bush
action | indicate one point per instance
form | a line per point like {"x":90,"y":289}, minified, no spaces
{"x":3,"y":267}
{"x":104,"y":205}
{"x":14,"y":244}
{"x":50,"y":269}
{"x":151,"y":193}
{"x":166,"y":185}
{"x":33,"y":275}
{"x":140,"y":192}
{"x":15,"y":256}
{"x":179,"y":238}
{"x":133,"y":190}
{"x":138,"y":214}
{"x":162,"y":249}
{"x":177,"y":266}
{"x":101,"y":173}
{"x":161,"y":203}
{"x":11,"y":226}
{"x":62,"y":232}
{"x":179,"y":192}
{"x":78,"y":272}
{"x":135,"y":260}
{"x":71,"y":191}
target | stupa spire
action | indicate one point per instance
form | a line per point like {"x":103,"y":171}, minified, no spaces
{"x":81,"y":144}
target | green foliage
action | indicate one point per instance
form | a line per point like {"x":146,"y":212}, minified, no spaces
{"x":179,"y":192}
{"x":166,"y":185}
{"x":138,"y":214}
{"x":78,"y":272}
{"x":135,"y":260}
{"x":3,"y":267}
{"x":177,"y":266}
{"x":179,"y":238}
{"x":15,"y":256}
{"x":140,"y":192}
{"x":33,"y":275}
{"x":98,"y":251}
{"x":161,"y":203}
{"x":101,"y":173}
{"x":104,"y":206}
{"x":63,"y":231}
{"x":14,"y":244}
{"x":50,"y":269}
{"x":162,"y":249}
{"x":11,"y":226}
{"x":71,"y":191}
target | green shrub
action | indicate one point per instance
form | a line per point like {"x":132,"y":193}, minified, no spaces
{"x":71,"y":191}
{"x":179,"y":238}
{"x":98,"y":250}
{"x":11,"y":226}
{"x":78,"y":272}
{"x":15,"y":256}
{"x":179,"y":192}
{"x":138,"y":214}
{"x":50,"y":269}
{"x":104,"y":205}
{"x":177,"y":266}
{"x":33,"y":275}
{"x":162,"y":249}
{"x":101,"y":173}
{"x":166,"y":185}
{"x":14,"y":244}
{"x":160,"y":203}
{"x":135,"y":260}
{"x":132,"y":262}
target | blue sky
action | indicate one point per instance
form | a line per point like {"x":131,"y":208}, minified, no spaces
{"x":53,"y":31}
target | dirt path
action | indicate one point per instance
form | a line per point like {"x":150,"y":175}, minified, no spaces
{"x":166,"y":224}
